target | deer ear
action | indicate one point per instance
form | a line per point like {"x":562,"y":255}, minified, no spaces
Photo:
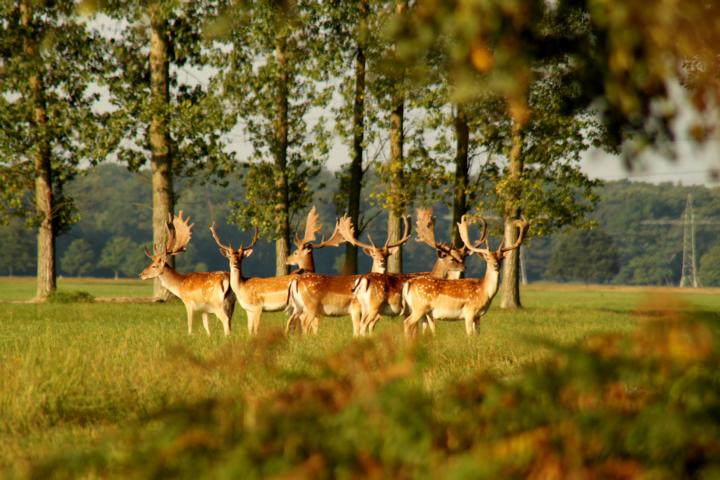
{"x":368,"y":251}
{"x":393,"y":250}
{"x":441,"y":254}
{"x":248,"y":252}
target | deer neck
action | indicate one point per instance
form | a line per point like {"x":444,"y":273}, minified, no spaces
{"x":236,"y":278}
{"x":376,"y":268}
{"x":171,"y":279}
{"x":439,"y":270}
{"x":491,"y":280}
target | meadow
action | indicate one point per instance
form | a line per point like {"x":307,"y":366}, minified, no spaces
{"x":107,"y":389}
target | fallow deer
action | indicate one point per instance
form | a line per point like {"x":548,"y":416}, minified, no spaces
{"x":315,"y":295}
{"x":466,"y":299}
{"x":257,"y":295}
{"x":304,"y":248}
{"x":200,"y":292}
{"x":381,"y":294}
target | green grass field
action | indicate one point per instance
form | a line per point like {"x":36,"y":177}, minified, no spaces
{"x":90,"y":377}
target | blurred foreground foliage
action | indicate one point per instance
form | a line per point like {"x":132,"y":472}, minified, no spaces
{"x":646,"y":404}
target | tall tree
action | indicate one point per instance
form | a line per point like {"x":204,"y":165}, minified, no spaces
{"x":163,"y":113}
{"x":272,"y":75}
{"x":352,"y":34}
{"x":48,"y":125}
{"x":527,"y":58}
{"x":396,"y":161}
{"x":462,"y":170}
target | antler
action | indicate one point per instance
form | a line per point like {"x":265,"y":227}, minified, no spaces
{"x":179,"y":233}
{"x":465,"y":236}
{"x":335,"y":239}
{"x":523,"y":225}
{"x":229,"y":247}
{"x":217,"y":239}
{"x":406,"y":236}
{"x":254,"y":240}
{"x":347,"y":230}
{"x":425,"y":224}
{"x":312,"y":227}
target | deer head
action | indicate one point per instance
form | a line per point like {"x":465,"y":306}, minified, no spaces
{"x":178,"y":234}
{"x":235,"y":256}
{"x":379,"y":255}
{"x":303,"y":254}
{"x":493,"y":258}
{"x":449,"y":259}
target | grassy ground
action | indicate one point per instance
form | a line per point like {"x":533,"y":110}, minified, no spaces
{"x":23,"y":288}
{"x":74,"y":374}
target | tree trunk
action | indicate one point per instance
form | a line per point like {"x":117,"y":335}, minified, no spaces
{"x":282,"y":207}
{"x":462,"y":141}
{"x":46,"y":274}
{"x":510,"y":295}
{"x":397,"y":139}
{"x":356,"y":167}
{"x":160,"y":143}
{"x":396,"y":182}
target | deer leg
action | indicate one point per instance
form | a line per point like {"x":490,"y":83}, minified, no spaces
{"x":365,"y":321}
{"x":356,"y":317}
{"x":314,"y":325}
{"x":305,"y":323}
{"x":190,"y":315}
{"x":470,"y":323}
{"x":291,"y":324}
{"x":410,"y":323}
{"x":251,"y":316}
{"x":256,"y":321}
{"x":225,"y":319}
{"x":371,"y":325}
{"x":429,"y":323}
{"x":206,"y":322}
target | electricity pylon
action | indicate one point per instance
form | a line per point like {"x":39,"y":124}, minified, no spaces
{"x":688,"y":277}
{"x":689,"y":270}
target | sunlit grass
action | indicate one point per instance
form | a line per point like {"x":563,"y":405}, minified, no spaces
{"x":23,"y":288}
{"x":71,"y":373}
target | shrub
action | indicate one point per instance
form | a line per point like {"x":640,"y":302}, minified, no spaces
{"x":71,"y":296}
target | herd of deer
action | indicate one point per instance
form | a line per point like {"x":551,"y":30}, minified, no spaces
{"x":429,"y":296}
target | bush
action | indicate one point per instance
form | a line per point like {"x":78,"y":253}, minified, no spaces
{"x":71,"y":296}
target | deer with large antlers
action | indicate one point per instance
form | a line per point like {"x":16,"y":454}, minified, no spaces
{"x":200,"y":292}
{"x":463,"y":299}
{"x":304,"y":248}
{"x":313,"y":296}
{"x":257,"y":295}
{"x":381,"y":294}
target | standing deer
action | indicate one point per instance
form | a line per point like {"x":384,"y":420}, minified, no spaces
{"x":303,"y":254}
{"x":200,"y":292}
{"x":315,"y":295}
{"x":381,"y":293}
{"x":257,"y":295}
{"x":466,"y":299}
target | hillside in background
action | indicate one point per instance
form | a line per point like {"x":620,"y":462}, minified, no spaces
{"x":114,"y":225}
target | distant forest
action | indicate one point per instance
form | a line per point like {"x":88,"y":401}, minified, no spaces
{"x":624,"y":247}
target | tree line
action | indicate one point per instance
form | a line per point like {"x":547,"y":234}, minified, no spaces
{"x":109,"y":237}
{"x":487,"y":106}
